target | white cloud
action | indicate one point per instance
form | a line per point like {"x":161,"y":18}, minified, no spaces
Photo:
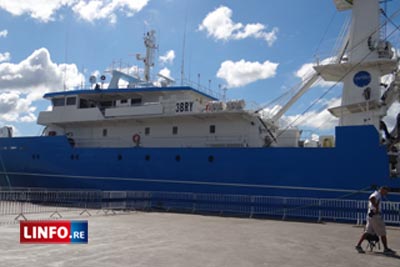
{"x":25,"y":82}
{"x":242,"y":72}
{"x":316,"y":119}
{"x":42,"y":10}
{"x":13,"y":107}
{"x":168,"y":57}
{"x":89,"y":10}
{"x":307,"y":70}
{"x":8,"y":102}
{"x":96,"y":73}
{"x":219,"y":25}
{"x":269,"y":112}
{"x":30,"y":117}
{"x":38,"y":72}
{"x":322,"y":120}
{"x":107,"y":9}
{"x":3,"y":33}
{"x":5,"y":56}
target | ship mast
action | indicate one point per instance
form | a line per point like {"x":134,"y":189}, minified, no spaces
{"x":367,"y":59}
{"x":148,"y":60}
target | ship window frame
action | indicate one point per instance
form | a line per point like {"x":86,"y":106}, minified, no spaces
{"x":136,"y":101}
{"x":147,"y":131}
{"x":84,"y":103}
{"x":70,"y":101}
{"x":175,"y":130}
{"x":212,"y":129}
{"x":58,"y":102}
{"x":105,"y":132}
{"x":107,"y":104}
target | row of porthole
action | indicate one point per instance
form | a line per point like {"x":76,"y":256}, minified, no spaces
{"x":147,"y":157}
{"x":177,"y":158}
{"x":73,"y":157}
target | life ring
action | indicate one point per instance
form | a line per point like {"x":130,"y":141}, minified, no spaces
{"x":136,"y":139}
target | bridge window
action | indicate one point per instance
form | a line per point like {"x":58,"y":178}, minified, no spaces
{"x":107,"y":104}
{"x":83,"y":103}
{"x":58,"y":102}
{"x":71,"y":101}
{"x":136,"y":101}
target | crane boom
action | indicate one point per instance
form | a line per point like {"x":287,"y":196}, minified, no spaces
{"x":306,"y":85}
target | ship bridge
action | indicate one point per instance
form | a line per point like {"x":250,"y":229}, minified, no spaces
{"x":95,"y":105}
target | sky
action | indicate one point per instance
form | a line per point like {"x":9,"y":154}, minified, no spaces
{"x":257,"y":50}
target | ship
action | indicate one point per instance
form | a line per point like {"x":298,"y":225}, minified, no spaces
{"x":146,"y":136}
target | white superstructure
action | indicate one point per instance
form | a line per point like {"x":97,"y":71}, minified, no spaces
{"x":144,"y":114}
{"x":152,"y":117}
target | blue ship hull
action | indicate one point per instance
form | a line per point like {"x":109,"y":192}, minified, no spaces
{"x":350,"y":169}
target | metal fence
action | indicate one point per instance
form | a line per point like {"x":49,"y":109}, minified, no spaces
{"x":24,"y":205}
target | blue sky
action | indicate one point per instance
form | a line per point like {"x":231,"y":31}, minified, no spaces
{"x":254,"y":48}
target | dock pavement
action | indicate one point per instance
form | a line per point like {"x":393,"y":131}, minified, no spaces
{"x":167,"y":239}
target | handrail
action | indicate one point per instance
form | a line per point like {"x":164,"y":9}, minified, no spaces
{"x":23,"y":204}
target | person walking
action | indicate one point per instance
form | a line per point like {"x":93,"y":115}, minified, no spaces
{"x":375,"y":223}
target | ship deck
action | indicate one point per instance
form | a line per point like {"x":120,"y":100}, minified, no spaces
{"x":167,"y":239}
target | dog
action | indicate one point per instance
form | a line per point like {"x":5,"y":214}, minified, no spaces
{"x":373,"y":241}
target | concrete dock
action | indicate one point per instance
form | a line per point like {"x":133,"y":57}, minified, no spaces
{"x":166,"y":239}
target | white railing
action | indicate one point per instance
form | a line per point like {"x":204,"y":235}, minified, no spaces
{"x":26,"y":205}
{"x":203,"y":89}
